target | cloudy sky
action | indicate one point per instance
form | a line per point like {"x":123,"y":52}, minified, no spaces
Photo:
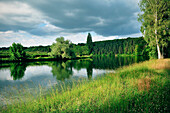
{"x":40,"y":22}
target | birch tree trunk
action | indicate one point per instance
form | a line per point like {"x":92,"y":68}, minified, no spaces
{"x":156,"y":35}
{"x":159,"y":52}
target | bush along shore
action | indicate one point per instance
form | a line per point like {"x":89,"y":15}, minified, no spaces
{"x":142,"y":87}
{"x":40,"y":58}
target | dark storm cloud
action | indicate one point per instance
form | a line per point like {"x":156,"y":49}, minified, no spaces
{"x":105,"y":17}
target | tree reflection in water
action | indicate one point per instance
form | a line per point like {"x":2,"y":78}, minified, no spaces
{"x":87,"y":64}
{"x":17,"y":70}
{"x":61,"y":70}
{"x":89,"y":68}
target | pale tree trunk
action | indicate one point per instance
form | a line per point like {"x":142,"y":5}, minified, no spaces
{"x":156,"y":36}
{"x":159,"y":52}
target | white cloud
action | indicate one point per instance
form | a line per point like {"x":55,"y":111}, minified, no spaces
{"x":26,"y":39}
{"x":19,"y":14}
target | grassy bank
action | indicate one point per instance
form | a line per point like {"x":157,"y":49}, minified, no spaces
{"x":43,"y":56}
{"x":142,"y":87}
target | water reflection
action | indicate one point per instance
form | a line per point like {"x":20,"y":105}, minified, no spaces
{"x":80,"y":64}
{"x":61,"y":70}
{"x":64,"y":70}
{"x":114,"y":62}
{"x":89,"y":69}
{"x":17,"y":70}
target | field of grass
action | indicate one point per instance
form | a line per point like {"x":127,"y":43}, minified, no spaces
{"x":142,"y":87}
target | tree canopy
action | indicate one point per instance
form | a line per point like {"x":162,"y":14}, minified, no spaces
{"x":120,"y":46}
{"x":155,"y":24}
{"x":62,"y":49}
{"x":17,"y":52}
{"x":89,"y":43}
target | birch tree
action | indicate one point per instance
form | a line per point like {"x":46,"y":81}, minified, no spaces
{"x":155,"y":23}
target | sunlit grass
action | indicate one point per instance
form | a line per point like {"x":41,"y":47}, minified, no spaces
{"x":136,"y":88}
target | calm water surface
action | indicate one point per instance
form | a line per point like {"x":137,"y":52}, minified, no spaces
{"x":32,"y":75}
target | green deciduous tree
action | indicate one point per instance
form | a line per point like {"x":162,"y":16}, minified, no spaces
{"x":155,"y":24}
{"x":17,"y":52}
{"x":89,"y":43}
{"x":80,"y":50}
{"x":62,"y":49}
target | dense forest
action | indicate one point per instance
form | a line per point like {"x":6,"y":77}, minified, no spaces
{"x":120,"y":46}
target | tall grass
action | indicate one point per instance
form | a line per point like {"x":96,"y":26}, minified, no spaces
{"x":136,"y":88}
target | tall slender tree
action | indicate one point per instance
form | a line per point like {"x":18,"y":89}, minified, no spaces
{"x":89,"y":43}
{"x":155,"y":23}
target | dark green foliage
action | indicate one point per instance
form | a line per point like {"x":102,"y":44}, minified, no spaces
{"x":153,"y":53}
{"x":167,"y":51}
{"x":80,"y":50}
{"x":89,"y":43}
{"x":120,"y":46}
{"x":38,"y":48}
{"x":17,"y":52}
{"x":137,"y":50}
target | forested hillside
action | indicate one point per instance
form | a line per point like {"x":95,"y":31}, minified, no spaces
{"x":38,"y":48}
{"x":120,"y":46}
{"x":31,"y":48}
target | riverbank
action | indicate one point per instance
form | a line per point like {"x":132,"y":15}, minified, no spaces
{"x":142,"y":87}
{"x":8,"y":60}
{"x":45,"y":57}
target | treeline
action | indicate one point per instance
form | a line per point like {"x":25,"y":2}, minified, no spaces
{"x":31,"y":48}
{"x":129,"y":46}
{"x":38,"y":48}
{"x":65,"y":49}
{"x":31,"y":51}
{"x":136,"y":46}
